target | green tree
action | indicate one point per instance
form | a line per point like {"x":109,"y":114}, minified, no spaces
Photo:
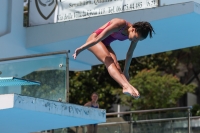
{"x":166,"y":62}
{"x":189,"y":60}
{"x":196,"y":110}
{"x":157,"y":90}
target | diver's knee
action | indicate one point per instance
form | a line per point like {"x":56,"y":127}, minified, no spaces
{"x":108,"y":60}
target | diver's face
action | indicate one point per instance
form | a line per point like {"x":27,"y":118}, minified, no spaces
{"x":135,"y":36}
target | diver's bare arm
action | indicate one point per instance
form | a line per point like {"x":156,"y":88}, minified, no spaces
{"x":129,"y":56}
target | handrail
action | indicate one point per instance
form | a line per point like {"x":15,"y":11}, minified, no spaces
{"x":34,"y":55}
{"x":152,"y":110}
{"x":145,"y":121}
{"x":131,"y":121}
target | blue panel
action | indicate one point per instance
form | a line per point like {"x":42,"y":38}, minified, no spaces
{"x":10,"y":81}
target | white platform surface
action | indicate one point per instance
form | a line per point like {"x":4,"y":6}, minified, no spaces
{"x":23,"y":114}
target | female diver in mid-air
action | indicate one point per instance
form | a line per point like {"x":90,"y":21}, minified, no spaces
{"x":99,"y":44}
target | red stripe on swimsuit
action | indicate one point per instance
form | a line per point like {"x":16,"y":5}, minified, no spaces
{"x":114,"y":36}
{"x":98,"y":31}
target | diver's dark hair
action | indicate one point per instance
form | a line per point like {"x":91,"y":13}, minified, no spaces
{"x":144,"y":28}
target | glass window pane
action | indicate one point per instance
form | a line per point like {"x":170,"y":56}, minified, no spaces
{"x":50,"y":71}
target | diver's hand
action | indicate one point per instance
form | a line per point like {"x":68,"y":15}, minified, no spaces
{"x":77,"y":51}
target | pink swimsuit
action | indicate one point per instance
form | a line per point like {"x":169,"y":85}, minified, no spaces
{"x":112,"y":37}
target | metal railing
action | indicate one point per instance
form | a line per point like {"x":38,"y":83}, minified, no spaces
{"x":154,"y":120}
{"x":131,"y":121}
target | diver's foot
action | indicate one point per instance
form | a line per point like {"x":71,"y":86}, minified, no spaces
{"x":131,"y":91}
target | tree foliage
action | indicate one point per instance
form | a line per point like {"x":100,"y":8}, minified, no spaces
{"x":165,"y":62}
{"x":188,"y":55}
{"x":157,"y":90}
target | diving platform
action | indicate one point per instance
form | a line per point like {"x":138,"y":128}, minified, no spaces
{"x":27,"y":114}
